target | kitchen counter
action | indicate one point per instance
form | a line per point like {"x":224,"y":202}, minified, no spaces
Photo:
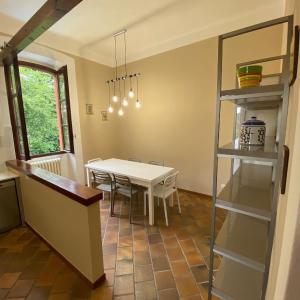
{"x":6,"y":175}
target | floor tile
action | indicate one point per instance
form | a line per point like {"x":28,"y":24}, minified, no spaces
{"x":61,"y":296}
{"x":145,"y":290}
{"x":164,"y":280}
{"x":140,"y":245}
{"x":20,"y":289}
{"x":124,"y":267}
{"x":141,"y":258}
{"x":155,"y":238}
{"x":180,"y":268}
{"x":171,"y":243}
{"x":109,"y":277}
{"x":188,"y":245}
{"x":124,"y":253}
{"x":109,"y":261}
{"x":39,"y":293}
{"x":170,"y":294}
{"x":187,"y":286}
{"x":102,"y":293}
{"x":194,"y":258}
{"x":160,"y":263}
{"x":174,"y":254}
{"x":157,"y":250}
{"x":7,"y":280}
{"x":200,"y":273}
{"x":123,"y":285}
{"x":125,"y":241}
{"x":125,"y":297}
{"x":108,"y":249}
{"x":143,"y":273}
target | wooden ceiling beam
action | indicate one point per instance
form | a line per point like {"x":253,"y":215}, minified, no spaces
{"x":51,"y":12}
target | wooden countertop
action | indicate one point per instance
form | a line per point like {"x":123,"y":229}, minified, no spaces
{"x":7,"y":175}
{"x":80,"y":193}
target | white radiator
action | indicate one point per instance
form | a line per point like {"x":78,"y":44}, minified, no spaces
{"x":52,"y":164}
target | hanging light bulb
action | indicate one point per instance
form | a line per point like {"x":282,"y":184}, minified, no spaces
{"x":115,"y":97}
{"x":137,"y":103}
{"x":130,"y":93}
{"x":125,"y":101}
{"x":110,"y":108}
{"x":120,"y":112}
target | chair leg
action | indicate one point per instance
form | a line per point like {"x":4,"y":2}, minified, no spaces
{"x":166,"y":212}
{"x":178,"y":201}
{"x":112,"y":204}
{"x":130,"y":210}
{"x":145,"y":204}
{"x":172,"y":200}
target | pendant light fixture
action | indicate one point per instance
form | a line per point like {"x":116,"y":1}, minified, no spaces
{"x":125,"y":101}
{"x":123,"y":97}
{"x":137,"y":102}
{"x":110,"y":108}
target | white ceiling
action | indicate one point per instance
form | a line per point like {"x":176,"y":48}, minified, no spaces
{"x":153,"y":26}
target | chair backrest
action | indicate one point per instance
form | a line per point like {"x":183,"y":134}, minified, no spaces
{"x":157,"y":163}
{"x":121,"y":180}
{"x":134,"y":159}
{"x":94,"y":159}
{"x":101,"y":177}
{"x":170,"y":181}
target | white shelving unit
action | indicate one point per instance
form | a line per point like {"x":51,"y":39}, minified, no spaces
{"x":250,"y":196}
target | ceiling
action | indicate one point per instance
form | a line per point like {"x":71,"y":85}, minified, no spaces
{"x":153,"y":26}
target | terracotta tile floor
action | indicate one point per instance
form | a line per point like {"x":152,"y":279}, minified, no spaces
{"x":141,"y":262}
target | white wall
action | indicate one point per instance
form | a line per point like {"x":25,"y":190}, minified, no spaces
{"x":7,"y":150}
{"x":282,"y":284}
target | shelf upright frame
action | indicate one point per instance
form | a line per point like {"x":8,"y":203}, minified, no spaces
{"x":278,"y":164}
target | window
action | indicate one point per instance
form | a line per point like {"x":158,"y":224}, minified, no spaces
{"x":42,"y":102}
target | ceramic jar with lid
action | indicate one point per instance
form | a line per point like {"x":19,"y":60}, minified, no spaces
{"x":253,"y":132}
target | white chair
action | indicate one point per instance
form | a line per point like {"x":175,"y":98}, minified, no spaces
{"x":163,"y":191}
{"x":89,"y":172}
{"x":104,"y":182}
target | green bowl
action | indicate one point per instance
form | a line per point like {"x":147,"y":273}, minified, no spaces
{"x":248,"y":70}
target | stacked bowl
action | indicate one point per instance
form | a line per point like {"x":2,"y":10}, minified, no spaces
{"x":249,"y":76}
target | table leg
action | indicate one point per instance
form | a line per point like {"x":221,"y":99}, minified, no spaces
{"x":151,"y":205}
{"x":88,"y":176}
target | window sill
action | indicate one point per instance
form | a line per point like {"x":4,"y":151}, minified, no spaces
{"x":49,"y":154}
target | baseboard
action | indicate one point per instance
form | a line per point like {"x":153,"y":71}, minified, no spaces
{"x":193,"y":192}
{"x":93,"y":285}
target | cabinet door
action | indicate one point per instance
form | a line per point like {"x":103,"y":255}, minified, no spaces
{"x":9,"y":207}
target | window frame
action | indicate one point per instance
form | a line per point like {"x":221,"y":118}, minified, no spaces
{"x":55,"y":74}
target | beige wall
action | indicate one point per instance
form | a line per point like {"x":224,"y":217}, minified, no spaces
{"x":78,"y":226}
{"x":283,"y":284}
{"x":98,"y":137}
{"x":178,"y":89}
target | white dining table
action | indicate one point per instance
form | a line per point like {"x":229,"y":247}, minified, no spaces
{"x":142,"y":174}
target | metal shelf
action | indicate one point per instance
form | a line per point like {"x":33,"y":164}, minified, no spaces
{"x":268,"y":152}
{"x":243,"y":239}
{"x":260,"y":103}
{"x":249,"y":191}
{"x":253,"y":93}
{"x":235,"y":281}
